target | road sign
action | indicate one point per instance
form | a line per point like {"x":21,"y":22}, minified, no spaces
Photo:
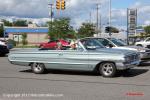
{"x":132,"y":21}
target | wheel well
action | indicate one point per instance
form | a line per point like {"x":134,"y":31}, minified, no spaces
{"x":139,"y":45}
{"x":98,"y":65}
{"x":30,"y":63}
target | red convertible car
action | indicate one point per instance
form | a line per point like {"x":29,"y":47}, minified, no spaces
{"x":54,"y":44}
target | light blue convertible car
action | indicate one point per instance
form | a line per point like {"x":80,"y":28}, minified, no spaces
{"x":89,"y":55}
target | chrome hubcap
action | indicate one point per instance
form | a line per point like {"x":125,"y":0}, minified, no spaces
{"x":107,"y":69}
{"x":37,"y":67}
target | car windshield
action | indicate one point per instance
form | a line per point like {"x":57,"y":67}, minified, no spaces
{"x":91,"y":44}
{"x":118,"y":42}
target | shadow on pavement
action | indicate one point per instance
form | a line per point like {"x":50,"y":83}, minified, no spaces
{"x":129,"y":73}
{"x":132,"y":72}
{"x":26,"y":71}
{"x":50,"y":71}
{"x":3,"y":55}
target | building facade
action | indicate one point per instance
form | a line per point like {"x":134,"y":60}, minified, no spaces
{"x":35,"y":35}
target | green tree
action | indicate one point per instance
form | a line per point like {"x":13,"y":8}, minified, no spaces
{"x":24,"y":39}
{"x":147,"y":30}
{"x":86,"y":30}
{"x":6,"y":23}
{"x":60,"y":28}
{"x":20,"y":23}
{"x":1,"y":30}
{"x":30,"y":22}
{"x":111,"y":29}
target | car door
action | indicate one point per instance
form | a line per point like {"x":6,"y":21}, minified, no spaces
{"x":52,"y":44}
{"x":74,"y":60}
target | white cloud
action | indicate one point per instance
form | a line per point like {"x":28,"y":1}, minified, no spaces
{"x":72,"y":3}
{"x":144,"y":9}
{"x":25,"y":8}
{"x":119,"y":13}
{"x":77,"y":10}
{"x":147,"y":22}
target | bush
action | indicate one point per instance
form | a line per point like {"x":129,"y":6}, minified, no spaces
{"x":24,"y":42}
{"x":24,"y":39}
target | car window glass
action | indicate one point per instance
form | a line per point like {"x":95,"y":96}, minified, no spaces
{"x":148,"y":40}
{"x":118,"y":42}
{"x":91,"y":42}
{"x":104,"y":42}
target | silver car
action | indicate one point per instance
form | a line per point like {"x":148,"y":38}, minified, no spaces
{"x":89,"y":55}
{"x":118,"y":44}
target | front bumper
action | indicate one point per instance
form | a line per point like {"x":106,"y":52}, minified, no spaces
{"x":145,"y":56}
{"x":123,"y":66}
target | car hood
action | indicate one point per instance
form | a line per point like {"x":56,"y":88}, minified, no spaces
{"x":116,"y":51}
{"x":134,"y":48}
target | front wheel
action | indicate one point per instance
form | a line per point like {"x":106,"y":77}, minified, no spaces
{"x":107,"y":69}
{"x":38,"y":68}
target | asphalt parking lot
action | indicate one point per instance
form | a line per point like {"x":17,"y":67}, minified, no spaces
{"x":18,"y":82}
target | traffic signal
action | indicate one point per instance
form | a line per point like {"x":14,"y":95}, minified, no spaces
{"x":107,"y":29}
{"x":58,"y":6}
{"x":63,"y":4}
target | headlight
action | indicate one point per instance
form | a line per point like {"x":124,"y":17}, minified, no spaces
{"x":141,"y":50}
{"x":127,"y":59}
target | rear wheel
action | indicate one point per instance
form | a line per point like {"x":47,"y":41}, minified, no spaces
{"x":38,"y":68}
{"x":107,"y":69}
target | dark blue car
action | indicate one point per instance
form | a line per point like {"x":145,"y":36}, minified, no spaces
{"x":3,"y":50}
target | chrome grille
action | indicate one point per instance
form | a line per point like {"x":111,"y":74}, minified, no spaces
{"x":148,"y":46}
{"x":132,"y":58}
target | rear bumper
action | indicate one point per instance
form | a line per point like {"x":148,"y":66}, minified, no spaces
{"x":123,"y":66}
{"x":4,"y":52}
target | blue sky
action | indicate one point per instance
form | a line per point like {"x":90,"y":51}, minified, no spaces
{"x":122,"y":3}
{"x":78,"y":10}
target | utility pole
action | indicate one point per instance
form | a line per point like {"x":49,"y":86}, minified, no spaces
{"x":51,"y":11}
{"x":110,"y":18}
{"x":51,"y":14}
{"x":90,"y":17}
{"x":127,"y":26}
{"x":100,"y":21}
{"x":97,"y":22}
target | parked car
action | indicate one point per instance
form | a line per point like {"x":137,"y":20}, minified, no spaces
{"x":54,"y":44}
{"x":89,"y":55}
{"x":2,"y":42}
{"x":6,"y":43}
{"x":118,"y":44}
{"x":3,"y":50}
{"x":145,"y":43}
